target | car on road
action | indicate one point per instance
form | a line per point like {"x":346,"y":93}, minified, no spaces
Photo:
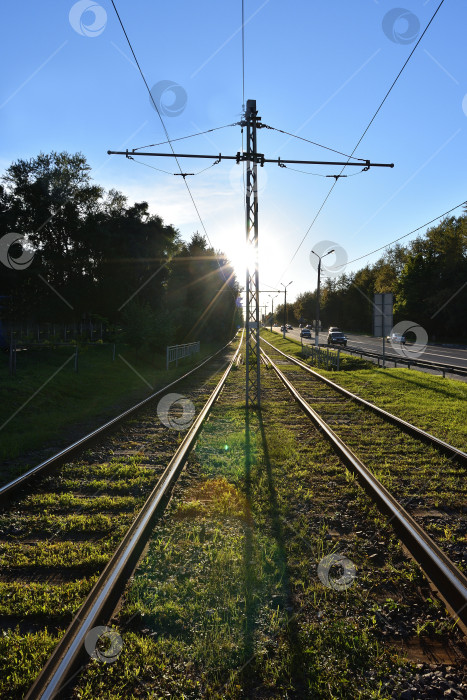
{"x":396,"y":338}
{"x":305,"y":333}
{"x":334,"y":329}
{"x":284,"y":328}
{"x":337,"y":338}
{"x":290,"y":328}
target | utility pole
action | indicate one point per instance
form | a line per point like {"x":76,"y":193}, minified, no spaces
{"x":285,"y":306}
{"x":317,"y":307}
{"x":272,"y":314}
{"x":317,"y":294}
{"x":253,"y":379}
{"x":252,"y":122}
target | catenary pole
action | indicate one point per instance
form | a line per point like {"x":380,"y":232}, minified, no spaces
{"x":252,"y":158}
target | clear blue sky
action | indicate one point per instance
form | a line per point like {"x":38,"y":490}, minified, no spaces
{"x":317,"y":69}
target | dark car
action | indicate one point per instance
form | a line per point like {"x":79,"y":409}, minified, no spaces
{"x":305,"y":333}
{"x":337,"y":338}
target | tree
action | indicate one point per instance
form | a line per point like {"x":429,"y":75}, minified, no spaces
{"x":431,"y":287}
{"x":97,"y":255}
{"x":93,"y":252}
{"x":202,"y":293}
{"x":291,"y":314}
{"x":48,"y":200}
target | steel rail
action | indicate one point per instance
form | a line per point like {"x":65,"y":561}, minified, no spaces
{"x":8,"y":489}
{"x":449,"y":581}
{"x":445,"y":447}
{"x":69,"y":654}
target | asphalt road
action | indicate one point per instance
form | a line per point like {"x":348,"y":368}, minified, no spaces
{"x":431,"y":353}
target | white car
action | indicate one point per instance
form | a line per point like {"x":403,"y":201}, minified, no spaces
{"x":396,"y":338}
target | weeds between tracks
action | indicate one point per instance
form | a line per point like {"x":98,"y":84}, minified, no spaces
{"x":227,"y":603}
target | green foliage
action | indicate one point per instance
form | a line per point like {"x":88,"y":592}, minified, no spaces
{"x":144,"y":328}
{"x":109,"y":260}
{"x":202,"y":292}
{"x":433,"y":279}
{"x":426,"y":277}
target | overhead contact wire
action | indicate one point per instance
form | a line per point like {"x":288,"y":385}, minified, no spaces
{"x":407,"y":234}
{"x":181,"y":138}
{"x":365,"y":131}
{"x":167,"y":136}
{"x":243,"y":55}
{"x":314,"y":143}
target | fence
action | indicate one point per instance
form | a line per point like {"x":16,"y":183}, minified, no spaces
{"x":31,"y":347}
{"x":321,"y":357}
{"x":177,"y":352}
{"x":57,"y":332}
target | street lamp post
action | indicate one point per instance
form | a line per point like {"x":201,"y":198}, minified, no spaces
{"x":285,"y":306}
{"x":317,"y":294}
{"x":272,"y":301}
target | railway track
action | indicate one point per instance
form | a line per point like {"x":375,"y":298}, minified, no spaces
{"x":338,"y":415}
{"x":62,"y":521}
{"x":451,"y":451}
{"x":424,"y":473}
{"x":243,"y":570}
{"x":249,"y":486}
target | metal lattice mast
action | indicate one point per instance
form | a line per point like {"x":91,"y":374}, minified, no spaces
{"x":253,"y":382}
{"x":252,"y":158}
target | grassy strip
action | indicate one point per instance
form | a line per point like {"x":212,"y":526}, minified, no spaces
{"x":21,"y":658}
{"x":48,"y":524}
{"x":61,"y":555}
{"x":428,"y":401}
{"x":227,"y":602}
{"x":57,"y":603}
{"x":46,"y":407}
{"x":94,"y":504}
{"x":125,"y":467}
{"x":121,"y":486}
{"x":20,"y":599}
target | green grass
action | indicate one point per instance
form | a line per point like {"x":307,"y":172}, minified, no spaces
{"x":227,"y":603}
{"x":66,"y":501}
{"x":44,"y":599}
{"x":428,"y":401}
{"x":294,"y":347}
{"x":21,"y":658}
{"x":58,"y":555}
{"x":48,"y":524}
{"x":49,"y":401}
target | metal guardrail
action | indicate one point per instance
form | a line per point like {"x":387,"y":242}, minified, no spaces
{"x":177,"y":352}
{"x":397,"y":359}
